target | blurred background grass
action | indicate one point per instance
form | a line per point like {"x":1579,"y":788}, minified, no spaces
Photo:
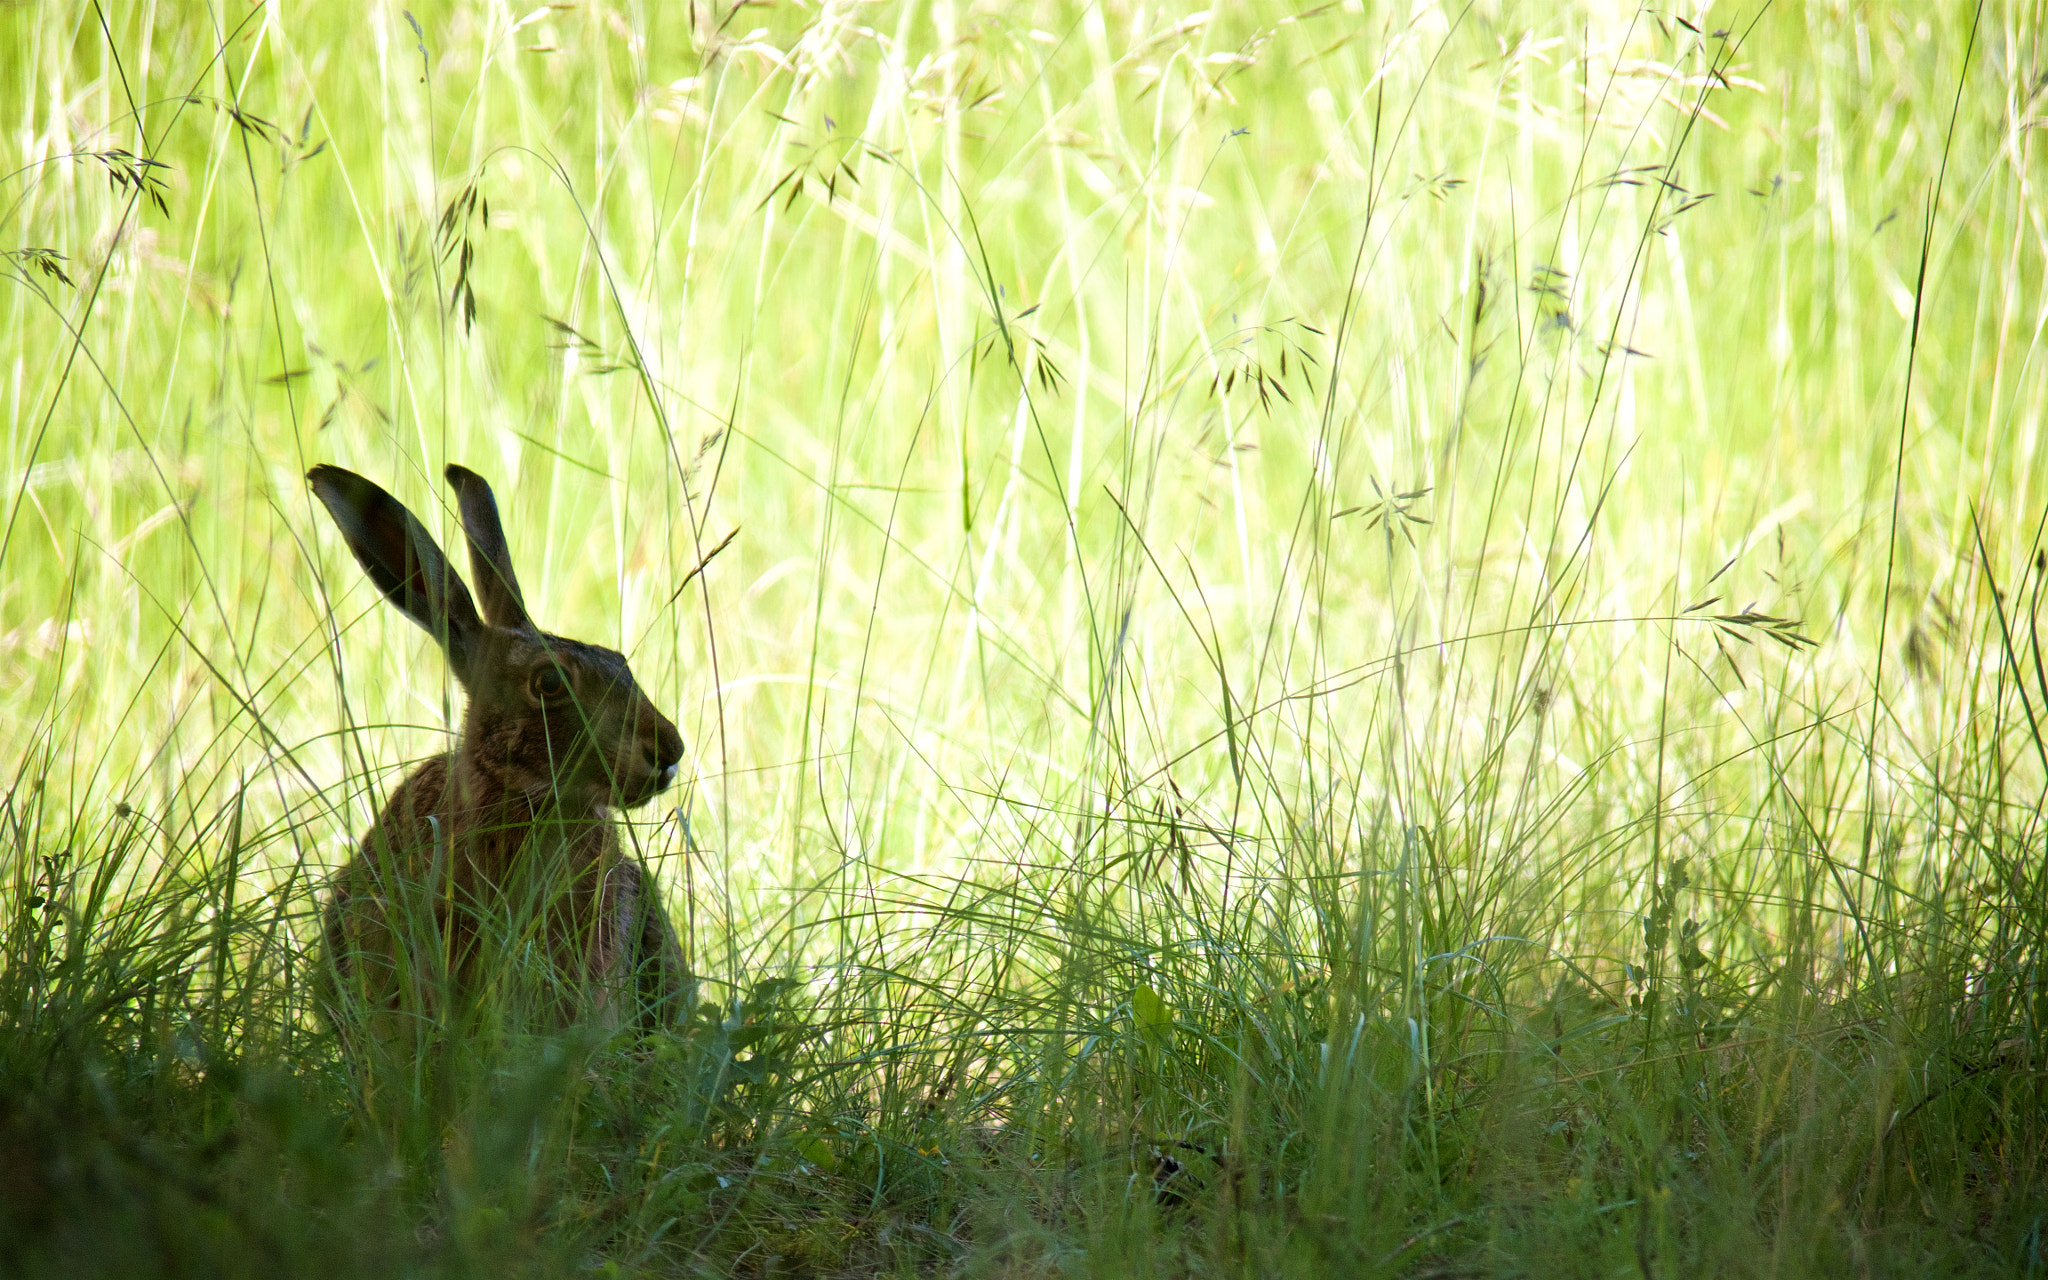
{"x":1491,"y":531}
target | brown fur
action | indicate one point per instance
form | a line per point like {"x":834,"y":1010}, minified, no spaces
{"x":513,"y":828}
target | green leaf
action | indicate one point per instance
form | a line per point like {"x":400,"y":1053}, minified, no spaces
{"x":1153,"y":1020}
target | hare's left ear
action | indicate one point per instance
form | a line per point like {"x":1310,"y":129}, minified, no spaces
{"x":490,"y":560}
{"x":403,"y":559}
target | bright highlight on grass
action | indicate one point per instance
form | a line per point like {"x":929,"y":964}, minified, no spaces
{"x":1344,"y":640}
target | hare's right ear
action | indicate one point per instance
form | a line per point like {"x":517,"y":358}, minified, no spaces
{"x":489,"y":558}
{"x":402,"y":558}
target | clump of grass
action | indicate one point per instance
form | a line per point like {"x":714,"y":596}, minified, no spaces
{"x":1326,"y":642}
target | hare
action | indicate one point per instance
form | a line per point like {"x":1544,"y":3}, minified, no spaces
{"x":505,"y":845}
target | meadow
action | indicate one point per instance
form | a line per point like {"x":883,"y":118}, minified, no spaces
{"x":1314,"y":640}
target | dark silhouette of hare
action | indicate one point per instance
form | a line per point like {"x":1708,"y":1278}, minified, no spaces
{"x":504,"y":847}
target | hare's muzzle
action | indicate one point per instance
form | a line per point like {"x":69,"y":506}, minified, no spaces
{"x":661,"y":756}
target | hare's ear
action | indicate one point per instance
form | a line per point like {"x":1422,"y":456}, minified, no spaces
{"x":402,"y":558}
{"x":490,"y":560}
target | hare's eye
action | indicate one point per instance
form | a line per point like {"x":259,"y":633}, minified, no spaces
{"x":548,"y":683}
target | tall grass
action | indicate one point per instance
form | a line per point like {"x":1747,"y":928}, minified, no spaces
{"x":1356,"y":640}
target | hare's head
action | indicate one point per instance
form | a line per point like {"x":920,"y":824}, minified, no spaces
{"x":546,"y":713}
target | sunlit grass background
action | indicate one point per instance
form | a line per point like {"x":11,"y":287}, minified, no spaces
{"x":1318,"y":640}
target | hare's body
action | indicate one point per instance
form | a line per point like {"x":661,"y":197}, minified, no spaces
{"x":452,"y":868}
{"x":505,"y":847}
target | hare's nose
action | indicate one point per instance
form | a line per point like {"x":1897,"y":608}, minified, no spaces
{"x":664,"y":755}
